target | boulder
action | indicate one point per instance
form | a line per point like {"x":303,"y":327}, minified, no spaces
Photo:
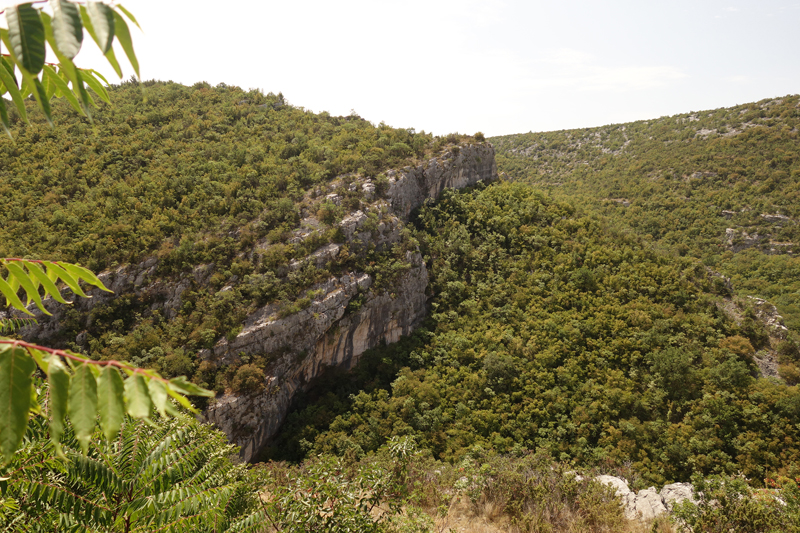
{"x":675,"y":493}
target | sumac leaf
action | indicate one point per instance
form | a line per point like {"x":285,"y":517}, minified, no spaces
{"x":99,"y":21}
{"x":58,"y":377}
{"x":83,"y":404}
{"x":26,"y":34}
{"x":137,"y":396}
{"x":16,"y":367}
{"x":67,"y":27}
{"x":110,"y":392}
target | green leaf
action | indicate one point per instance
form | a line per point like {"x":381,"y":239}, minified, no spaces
{"x":110,"y":390}
{"x":129,"y":15}
{"x":181,"y":399}
{"x":11,"y":85}
{"x":95,"y":85}
{"x":184,"y":386}
{"x":27,"y":284}
{"x":63,"y":88}
{"x":55,"y":270}
{"x":98,"y":76}
{"x":41,"y":98}
{"x":49,"y":87}
{"x":137,"y":396}
{"x":26,"y":33}
{"x":83,"y":274}
{"x":4,"y":117}
{"x":58,"y":377}
{"x":83,"y":404}
{"x":67,"y":27}
{"x":16,"y":367}
{"x":68,"y":68}
{"x":49,"y":287}
{"x":124,"y":38}
{"x":11,"y":296}
{"x":98,"y":19}
{"x":112,"y":59}
{"x":158,"y":394}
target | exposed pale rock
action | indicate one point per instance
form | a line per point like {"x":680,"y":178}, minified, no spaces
{"x":351,"y":223}
{"x":644,"y":505}
{"x":776,"y":218}
{"x":675,"y":493}
{"x":318,"y":337}
{"x":409,"y":187}
{"x":619,"y":484}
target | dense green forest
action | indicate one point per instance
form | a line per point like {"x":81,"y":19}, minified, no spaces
{"x":684,"y":180}
{"x":550,"y":332}
{"x":577,"y":316}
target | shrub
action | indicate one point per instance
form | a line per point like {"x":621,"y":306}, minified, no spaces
{"x":248,"y":379}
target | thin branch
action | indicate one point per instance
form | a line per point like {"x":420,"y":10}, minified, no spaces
{"x":84,"y":360}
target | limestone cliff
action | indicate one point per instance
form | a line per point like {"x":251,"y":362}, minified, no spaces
{"x":325,"y":335}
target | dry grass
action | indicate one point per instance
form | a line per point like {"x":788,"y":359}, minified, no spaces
{"x":463,"y":516}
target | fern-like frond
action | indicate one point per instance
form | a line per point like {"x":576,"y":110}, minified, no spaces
{"x":12,"y":324}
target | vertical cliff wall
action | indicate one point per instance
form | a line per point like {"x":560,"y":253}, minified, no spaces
{"x":325,"y":335}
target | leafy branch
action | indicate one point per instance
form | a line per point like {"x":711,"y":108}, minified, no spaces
{"x":31,"y":30}
{"x":88,"y":391}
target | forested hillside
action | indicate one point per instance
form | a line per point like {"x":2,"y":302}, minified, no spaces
{"x":235,"y":183}
{"x":721,"y":185}
{"x":577,"y":316}
{"x":182,"y":172}
{"x":550,"y":332}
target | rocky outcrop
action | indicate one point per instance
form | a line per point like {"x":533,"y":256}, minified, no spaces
{"x":647,"y":504}
{"x":325,"y":334}
{"x":322,"y":336}
{"x":139,"y":279}
{"x":461,"y":167}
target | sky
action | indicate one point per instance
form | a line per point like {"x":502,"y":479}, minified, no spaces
{"x":498,"y":67}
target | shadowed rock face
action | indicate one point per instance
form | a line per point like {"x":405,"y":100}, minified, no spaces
{"x":324,"y":335}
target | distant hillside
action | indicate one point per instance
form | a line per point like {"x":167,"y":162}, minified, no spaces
{"x":550,"y":332}
{"x":721,"y":185}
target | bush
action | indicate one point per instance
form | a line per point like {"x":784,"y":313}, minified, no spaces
{"x":730,"y":504}
{"x":248,"y":379}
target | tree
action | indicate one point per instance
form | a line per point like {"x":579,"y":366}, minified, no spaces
{"x":78,"y":386}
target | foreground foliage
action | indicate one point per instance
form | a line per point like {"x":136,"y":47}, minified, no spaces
{"x":169,"y":475}
{"x":29,"y":32}
{"x":81,"y":387}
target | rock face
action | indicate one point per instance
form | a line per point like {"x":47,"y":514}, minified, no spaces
{"x":647,"y":504}
{"x":325,"y":335}
{"x":461,"y":167}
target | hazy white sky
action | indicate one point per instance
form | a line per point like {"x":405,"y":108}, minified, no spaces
{"x":493,"y":66}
